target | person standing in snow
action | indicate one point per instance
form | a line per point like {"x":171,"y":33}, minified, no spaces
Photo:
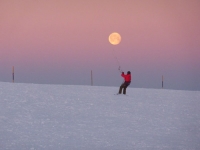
{"x":127,"y":81}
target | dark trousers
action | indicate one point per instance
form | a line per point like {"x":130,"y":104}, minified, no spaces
{"x":123,"y":87}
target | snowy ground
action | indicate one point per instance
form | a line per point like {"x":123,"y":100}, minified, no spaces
{"x":67,"y":117}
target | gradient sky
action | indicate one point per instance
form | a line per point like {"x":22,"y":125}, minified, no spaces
{"x":61,"y":41}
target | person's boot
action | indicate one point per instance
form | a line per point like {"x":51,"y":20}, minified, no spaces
{"x":124,"y":91}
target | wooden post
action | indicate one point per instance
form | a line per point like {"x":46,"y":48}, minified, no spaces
{"x":91,"y":79}
{"x":162,"y":82}
{"x":13,"y":74}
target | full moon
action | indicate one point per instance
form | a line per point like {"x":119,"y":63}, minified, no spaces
{"x":114,"y":38}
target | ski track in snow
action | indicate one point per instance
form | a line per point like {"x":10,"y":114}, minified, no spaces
{"x":71,"y":117}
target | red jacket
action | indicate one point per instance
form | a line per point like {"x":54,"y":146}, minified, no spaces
{"x":127,"y":77}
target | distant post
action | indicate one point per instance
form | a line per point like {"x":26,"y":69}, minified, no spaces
{"x":91,"y":79}
{"x":13,"y":74}
{"x":162,"y":82}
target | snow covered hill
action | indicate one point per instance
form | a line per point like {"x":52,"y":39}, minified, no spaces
{"x":69,"y":117}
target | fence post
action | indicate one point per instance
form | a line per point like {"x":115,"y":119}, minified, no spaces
{"x":91,"y":79}
{"x":13,"y":75}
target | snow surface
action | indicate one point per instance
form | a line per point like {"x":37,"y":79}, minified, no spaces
{"x":69,"y":117}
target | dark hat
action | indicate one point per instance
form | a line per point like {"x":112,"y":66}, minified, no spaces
{"x":128,"y":72}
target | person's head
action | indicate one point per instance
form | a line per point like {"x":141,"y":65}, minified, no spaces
{"x":128,"y":72}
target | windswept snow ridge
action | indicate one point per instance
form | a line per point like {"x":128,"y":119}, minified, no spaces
{"x":69,"y":117}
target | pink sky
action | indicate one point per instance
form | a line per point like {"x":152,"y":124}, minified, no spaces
{"x":61,"y":41}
